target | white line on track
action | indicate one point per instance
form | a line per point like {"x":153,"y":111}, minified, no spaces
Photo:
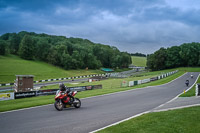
{"x":143,"y":114}
{"x":120,"y":121}
{"x":177,"y":95}
{"x":180,"y":107}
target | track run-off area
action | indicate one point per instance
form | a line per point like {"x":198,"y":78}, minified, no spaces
{"x":96,"y":112}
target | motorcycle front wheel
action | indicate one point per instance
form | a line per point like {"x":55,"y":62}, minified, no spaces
{"x":77,"y":103}
{"x":59,"y":105}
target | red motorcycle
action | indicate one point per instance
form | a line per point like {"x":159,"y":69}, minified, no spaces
{"x":63,"y":100}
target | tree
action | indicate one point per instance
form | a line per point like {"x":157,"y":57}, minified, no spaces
{"x":52,"y":56}
{"x":66,"y":61}
{"x":5,"y":36}
{"x":138,"y":54}
{"x":26,"y":49}
{"x":173,"y":57}
{"x":92,"y":62}
{"x":14,"y":43}
{"x":187,"y":54}
{"x":3,"y":47}
{"x":77,"y":60}
{"x":194,"y":52}
{"x":125,"y":60}
{"x":42,"y":49}
{"x":68,"y":53}
{"x":150,"y":61}
{"x":157,"y":61}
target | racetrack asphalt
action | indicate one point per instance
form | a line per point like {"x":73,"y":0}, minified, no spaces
{"x":95,"y":113}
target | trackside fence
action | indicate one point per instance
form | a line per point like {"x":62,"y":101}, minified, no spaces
{"x":58,"y":79}
{"x":17,"y":95}
{"x":138,"y":82}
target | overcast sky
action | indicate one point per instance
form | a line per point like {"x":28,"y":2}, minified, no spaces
{"x":130,"y":25}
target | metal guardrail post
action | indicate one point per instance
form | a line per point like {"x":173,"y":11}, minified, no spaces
{"x":197,"y":90}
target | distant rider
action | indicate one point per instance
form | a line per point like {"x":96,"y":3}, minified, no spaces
{"x":191,"y":76}
{"x":66,"y":90}
{"x":187,"y":82}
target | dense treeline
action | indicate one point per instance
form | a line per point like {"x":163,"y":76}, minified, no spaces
{"x":69,"y":53}
{"x":185,"y":55}
{"x":138,"y":54}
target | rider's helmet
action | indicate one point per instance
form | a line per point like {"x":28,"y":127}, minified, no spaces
{"x":62,"y":87}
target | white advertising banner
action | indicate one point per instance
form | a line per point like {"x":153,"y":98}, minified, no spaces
{"x":131,"y":83}
{"x":6,"y":96}
{"x":139,"y":82}
{"x":145,"y":81}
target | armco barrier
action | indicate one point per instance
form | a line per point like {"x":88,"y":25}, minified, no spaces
{"x":83,"y":88}
{"x":135,"y":82}
{"x":25,"y":94}
{"x":46,"y":92}
{"x":138,"y":82}
{"x":96,"y":87}
{"x":18,"y":95}
{"x":154,"y":78}
{"x":46,"y":80}
{"x":145,"y":81}
{"x":79,"y":88}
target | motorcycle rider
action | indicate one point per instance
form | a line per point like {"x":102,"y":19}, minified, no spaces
{"x":187,"y":82}
{"x":66,"y":90}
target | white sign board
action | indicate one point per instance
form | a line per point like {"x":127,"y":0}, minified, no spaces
{"x":6,"y":96}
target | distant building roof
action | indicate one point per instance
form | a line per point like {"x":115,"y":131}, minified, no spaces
{"x":107,"y":69}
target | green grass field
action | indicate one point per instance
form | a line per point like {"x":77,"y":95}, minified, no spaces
{"x":185,"y":120}
{"x":12,"y":65}
{"x":139,"y":61}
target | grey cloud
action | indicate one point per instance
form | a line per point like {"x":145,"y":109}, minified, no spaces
{"x":131,"y":25}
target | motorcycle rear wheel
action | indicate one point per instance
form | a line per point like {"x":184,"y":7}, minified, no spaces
{"x":77,"y":103}
{"x":59,"y":105}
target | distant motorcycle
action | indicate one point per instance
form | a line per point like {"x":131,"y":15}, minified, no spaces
{"x":191,"y":76}
{"x":63,"y":100}
{"x":187,"y":82}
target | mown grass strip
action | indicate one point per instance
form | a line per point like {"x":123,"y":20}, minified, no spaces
{"x":139,"y":61}
{"x":185,"y":120}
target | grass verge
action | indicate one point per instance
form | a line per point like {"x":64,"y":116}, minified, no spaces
{"x":185,"y":120}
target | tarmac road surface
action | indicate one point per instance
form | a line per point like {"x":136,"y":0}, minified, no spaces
{"x":95,"y":112}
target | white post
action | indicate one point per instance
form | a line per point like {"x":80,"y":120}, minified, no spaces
{"x":197,"y":89}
